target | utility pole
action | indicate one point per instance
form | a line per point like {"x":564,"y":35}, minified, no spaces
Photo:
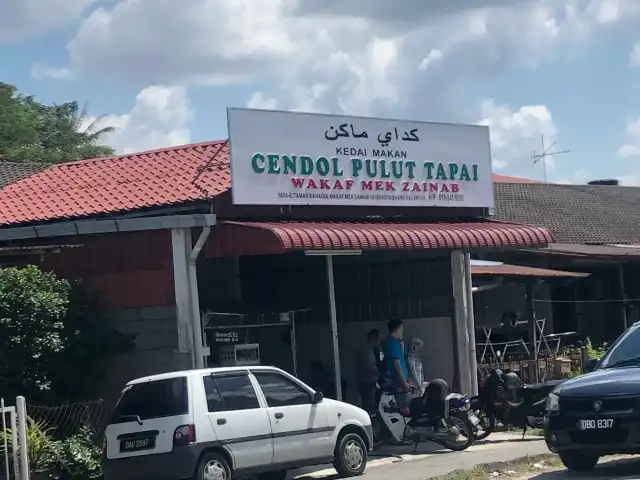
{"x":546,"y":152}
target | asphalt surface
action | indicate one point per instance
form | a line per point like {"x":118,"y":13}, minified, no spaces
{"x":400,"y":463}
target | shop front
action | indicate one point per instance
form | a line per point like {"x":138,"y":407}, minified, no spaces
{"x":284,"y":245}
{"x":336,"y":225}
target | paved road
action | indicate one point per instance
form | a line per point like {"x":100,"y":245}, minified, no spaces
{"x":400,"y":464}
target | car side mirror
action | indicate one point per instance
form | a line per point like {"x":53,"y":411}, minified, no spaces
{"x":317,"y":397}
{"x":591,"y":365}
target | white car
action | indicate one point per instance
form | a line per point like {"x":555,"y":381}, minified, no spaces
{"x":219,"y":423}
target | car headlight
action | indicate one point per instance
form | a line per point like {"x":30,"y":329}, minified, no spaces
{"x":553,"y":403}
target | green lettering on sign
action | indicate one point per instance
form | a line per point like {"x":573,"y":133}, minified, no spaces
{"x":257,"y":163}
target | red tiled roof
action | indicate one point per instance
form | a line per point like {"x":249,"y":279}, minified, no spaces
{"x":521,"y":271}
{"x":234,"y":238}
{"x":506,"y":179}
{"x":117,"y":184}
{"x":135,"y":181}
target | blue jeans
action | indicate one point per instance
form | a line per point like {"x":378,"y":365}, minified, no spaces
{"x":402,"y":399}
{"x":368,"y":396}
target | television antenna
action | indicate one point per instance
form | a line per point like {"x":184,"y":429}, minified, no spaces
{"x":546,"y":152}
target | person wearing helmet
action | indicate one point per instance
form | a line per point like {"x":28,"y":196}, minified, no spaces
{"x":414,"y":365}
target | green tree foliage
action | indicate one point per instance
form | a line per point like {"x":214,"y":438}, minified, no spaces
{"x":54,"y":344}
{"x":34,"y":132}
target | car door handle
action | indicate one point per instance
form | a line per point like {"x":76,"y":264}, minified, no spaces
{"x":222,"y":421}
{"x":279,"y":415}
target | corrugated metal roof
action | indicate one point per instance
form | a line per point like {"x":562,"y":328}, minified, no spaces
{"x":235,"y":238}
{"x":522,"y":271}
{"x":581,"y":250}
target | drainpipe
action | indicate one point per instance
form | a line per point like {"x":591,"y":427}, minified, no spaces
{"x":196,"y":325}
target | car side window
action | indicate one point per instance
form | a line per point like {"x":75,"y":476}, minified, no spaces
{"x":227,"y":393}
{"x":214,"y":399}
{"x":281,"y":391}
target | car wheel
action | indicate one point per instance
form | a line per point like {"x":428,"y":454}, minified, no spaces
{"x":213,"y":466}
{"x":578,"y":461}
{"x":350,"y":456}
{"x":277,"y":475}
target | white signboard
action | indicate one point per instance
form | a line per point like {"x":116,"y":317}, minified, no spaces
{"x":286,"y":158}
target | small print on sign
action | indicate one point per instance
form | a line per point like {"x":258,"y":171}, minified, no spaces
{"x":226,"y":337}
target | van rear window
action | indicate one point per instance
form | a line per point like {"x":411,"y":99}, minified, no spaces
{"x":155,"y":399}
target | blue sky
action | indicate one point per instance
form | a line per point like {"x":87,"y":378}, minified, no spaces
{"x":165,"y":72}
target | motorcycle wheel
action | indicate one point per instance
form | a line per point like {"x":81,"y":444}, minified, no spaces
{"x":486,"y":426}
{"x":461,"y":421}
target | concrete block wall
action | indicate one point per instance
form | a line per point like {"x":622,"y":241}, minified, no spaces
{"x":154,"y":330}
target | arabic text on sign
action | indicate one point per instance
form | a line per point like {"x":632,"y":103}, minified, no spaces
{"x":348,"y":131}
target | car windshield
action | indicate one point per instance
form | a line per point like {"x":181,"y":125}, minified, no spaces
{"x":624,"y":352}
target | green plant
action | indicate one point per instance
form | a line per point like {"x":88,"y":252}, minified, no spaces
{"x":40,"y":447}
{"x":54,"y":343}
{"x":592,"y":352}
{"x":77,"y":457}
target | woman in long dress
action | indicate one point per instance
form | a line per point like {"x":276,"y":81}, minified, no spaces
{"x":414,"y":365}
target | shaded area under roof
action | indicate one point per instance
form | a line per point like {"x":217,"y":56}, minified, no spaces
{"x":587,"y":214}
{"x":505,"y":270}
{"x":11,"y":172}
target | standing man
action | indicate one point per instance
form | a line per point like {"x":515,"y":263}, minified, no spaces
{"x":395,"y":362}
{"x":367,"y":369}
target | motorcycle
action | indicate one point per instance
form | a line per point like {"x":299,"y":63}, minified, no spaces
{"x":506,"y":399}
{"x":403,"y":427}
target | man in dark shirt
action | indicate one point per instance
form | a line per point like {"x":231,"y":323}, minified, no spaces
{"x":367,"y":371}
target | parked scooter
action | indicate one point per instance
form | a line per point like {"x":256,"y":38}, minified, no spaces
{"x":402,"y":426}
{"x":506,"y":399}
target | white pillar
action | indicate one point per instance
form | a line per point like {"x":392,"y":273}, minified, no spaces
{"x":196,"y":319}
{"x":334,"y":327}
{"x":180,"y":239}
{"x":471,"y":325}
{"x":21,"y":412}
{"x":460,"y":320}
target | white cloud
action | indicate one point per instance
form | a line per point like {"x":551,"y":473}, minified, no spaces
{"x":432,"y":57}
{"x":358,"y":56}
{"x":515,"y":135}
{"x":261,"y":101}
{"x":159,"y":118}
{"x":634,"y":58}
{"x":20,"y":19}
{"x":40,"y":71}
{"x":631,"y":146}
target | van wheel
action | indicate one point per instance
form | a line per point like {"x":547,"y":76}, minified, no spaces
{"x":350,"y":455}
{"x":213,"y":466}
{"x":579,"y":462}
{"x":277,"y":475}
